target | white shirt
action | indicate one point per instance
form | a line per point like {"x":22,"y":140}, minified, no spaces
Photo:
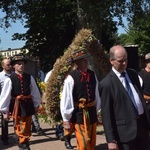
{"x":47,"y":76}
{"x":5,"y":96}
{"x":3,"y":76}
{"x":41,"y":75}
{"x":67,"y":103}
{"x":135,"y":94}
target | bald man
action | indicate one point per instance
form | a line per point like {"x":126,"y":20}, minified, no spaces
{"x":124,"y":113}
{"x":7,"y":69}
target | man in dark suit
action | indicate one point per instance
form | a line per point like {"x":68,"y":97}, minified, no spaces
{"x":124,"y":114}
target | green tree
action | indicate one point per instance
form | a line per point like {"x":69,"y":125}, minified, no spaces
{"x":136,"y":35}
{"x":128,"y":38}
{"x":139,"y":25}
{"x":52,"y":24}
{"x":51,"y":29}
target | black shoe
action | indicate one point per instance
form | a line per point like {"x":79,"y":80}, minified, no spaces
{"x":5,"y":143}
{"x":62,"y":138}
{"x":68,"y":145}
{"x":33,"y":130}
{"x":39,"y":131}
{"x":24,"y":146}
{"x":20,"y":148}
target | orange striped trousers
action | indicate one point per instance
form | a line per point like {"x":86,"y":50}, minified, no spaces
{"x":23,"y":128}
{"x":82,"y":142}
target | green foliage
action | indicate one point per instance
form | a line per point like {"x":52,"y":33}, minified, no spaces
{"x":42,"y":114}
{"x":51,"y":29}
{"x":138,"y":35}
{"x":52,"y":24}
{"x":139,"y":26}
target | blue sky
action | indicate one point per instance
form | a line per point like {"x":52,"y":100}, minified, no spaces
{"x":17,"y":27}
{"x":6,"y":37}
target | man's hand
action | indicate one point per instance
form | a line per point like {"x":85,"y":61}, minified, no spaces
{"x":6,"y":117}
{"x":66,"y":125}
{"x":113,"y":146}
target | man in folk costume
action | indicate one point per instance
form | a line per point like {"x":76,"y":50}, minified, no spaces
{"x":145,"y":75}
{"x":80,"y":102}
{"x":20,"y":97}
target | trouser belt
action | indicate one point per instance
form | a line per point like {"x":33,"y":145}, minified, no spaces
{"x":16,"y":106}
{"x":86,"y":119}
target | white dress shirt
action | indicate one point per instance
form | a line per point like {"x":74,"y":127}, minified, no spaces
{"x":47,"y":76}
{"x":5,"y":96}
{"x":135,"y":94}
{"x":67,"y":103}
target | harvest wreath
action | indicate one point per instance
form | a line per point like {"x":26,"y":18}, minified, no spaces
{"x":83,"y":40}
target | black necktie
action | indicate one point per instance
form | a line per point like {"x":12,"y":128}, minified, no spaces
{"x":130,"y":93}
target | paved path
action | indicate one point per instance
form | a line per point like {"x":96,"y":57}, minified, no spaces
{"x":48,"y":140}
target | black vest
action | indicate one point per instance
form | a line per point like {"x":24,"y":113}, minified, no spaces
{"x":83,"y":89}
{"x":26,"y":106}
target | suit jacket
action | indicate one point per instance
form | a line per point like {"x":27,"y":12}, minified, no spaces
{"x":118,"y":116}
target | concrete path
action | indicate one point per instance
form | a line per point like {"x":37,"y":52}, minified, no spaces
{"x":48,"y":140}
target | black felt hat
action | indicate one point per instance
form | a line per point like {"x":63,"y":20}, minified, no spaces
{"x":80,"y":54}
{"x":147,"y":57}
{"x":18,"y":57}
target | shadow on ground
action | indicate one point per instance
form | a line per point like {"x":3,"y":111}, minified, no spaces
{"x":47,"y":137}
{"x":101,"y":147}
{"x":12,"y":142}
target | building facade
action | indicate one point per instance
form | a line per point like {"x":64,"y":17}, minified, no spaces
{"x":11,"y":52}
